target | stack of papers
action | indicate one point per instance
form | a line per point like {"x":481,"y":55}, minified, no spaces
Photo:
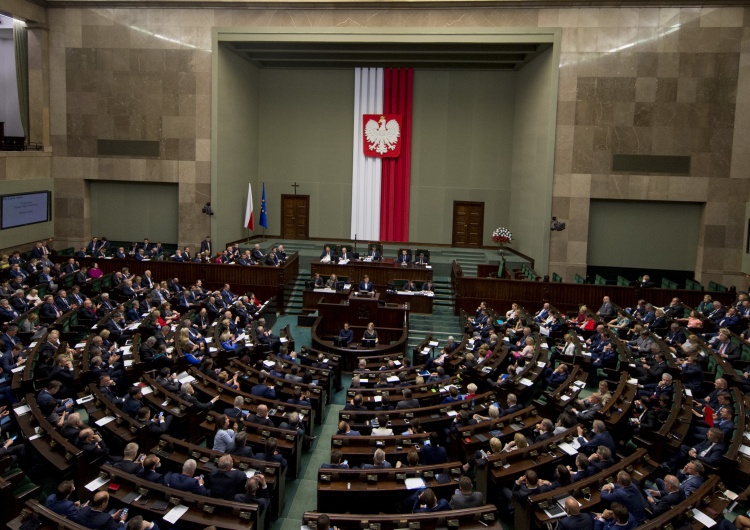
{"x":526,"y":382}
{"x":175,"y":513}
{"x":104,"y":421}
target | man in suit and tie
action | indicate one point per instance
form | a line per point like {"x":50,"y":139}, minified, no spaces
{"x":607,"y":310}
{"x":646,"y":282}
{"x":38,"y":250}
{"x":93,"y":247}
{"x":280,"y":254}
{"x":726,"y":348}
{"x":365,"y":285}
{"x":62,"y":301}
{"x":70,"y":267}
{"x":690,"y":477}
{"x":75,"y":298}
{"x":373,"y":253}
{"x":317,"y":282}
{"x":404,"y":258}
{"x":717,"y":313}
{"x":146,"y":246}
{"x":346,"y":334}
{"x":257,"y":253}
{"x":147,"y":281}
{"x":206,"y":246}
{"x":709,"y":452}
{"x":674,"y":495}
{"x":48,"y":311}
{"x":344,"y":257}
{"x":327,"y":255}
{"x":421,"y":260}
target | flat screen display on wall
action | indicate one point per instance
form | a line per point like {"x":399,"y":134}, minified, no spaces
{"x":23,"y":209}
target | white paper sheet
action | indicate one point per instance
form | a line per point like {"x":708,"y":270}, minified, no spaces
{"x":703,"y":518}
{"x":104,"y":421}
{"x":96,"y":483}
{"x":84,"y":399}
{"x":414,"y":483}
{"x":175,"y":513}
{"x":23,"y":409}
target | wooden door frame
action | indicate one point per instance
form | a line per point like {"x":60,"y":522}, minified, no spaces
{"x":285,"y":196}
{"x":453,"y":223}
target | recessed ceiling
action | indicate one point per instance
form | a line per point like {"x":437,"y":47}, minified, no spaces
{"x":438,"y":55}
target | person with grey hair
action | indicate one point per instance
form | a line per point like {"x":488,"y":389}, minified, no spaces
{"x":378,"y":461}
{"x":128,"y":463}
{"x":665,"y":387}
{"x":185,"y":481}
{"x":674,"y":496}
{"x":544,"y":430}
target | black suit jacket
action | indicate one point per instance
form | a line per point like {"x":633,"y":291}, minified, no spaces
{"x":582,"y":521}
{"x":227,"y":484}
{"x":666,"y":502}
{"x":97,"y":520}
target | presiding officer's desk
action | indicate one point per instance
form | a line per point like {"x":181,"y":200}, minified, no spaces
{"x":381,"y":273}
{"x":419,"y":302}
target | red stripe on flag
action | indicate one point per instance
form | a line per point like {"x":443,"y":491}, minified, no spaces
{"x":396,"y":175}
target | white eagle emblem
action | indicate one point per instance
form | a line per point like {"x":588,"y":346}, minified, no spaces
{"x":382,"y":136}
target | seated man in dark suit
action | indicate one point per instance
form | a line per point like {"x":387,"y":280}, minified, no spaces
{"x":271,"y":453}
{"x":96,"y":517}
{"x":407,"y":402}
{"x":421,"y":260}
{"x":264,"y":388}
{"x":60,"y":503}
{"x":93,"y":446}
{"x":188,"y":394}
{"x":626,"y":492}
{"x":378,"y":461}
{"x":128,"y":464}
{"x":575,"y":520}
{"x":185,"y":481}
{"x":404,"y":258}
{"x":149,"y":470}
{"x":227,"y":482}
{"x":328,"y":255}
{"x":709,"y":452}
{"x":346,"y":334}
{"x":526,"y":485}
{"x":373,"y":253}
{"x":427,"y":502}
{"x":256,"y":492}
{"x":674,"y":495}
{"x":601,"y":437}
{"x":466,"y":496}
{"x":365,"y":285}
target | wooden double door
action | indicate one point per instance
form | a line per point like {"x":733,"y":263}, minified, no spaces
{"x":468,"y":224}
{"x":295,"y":216}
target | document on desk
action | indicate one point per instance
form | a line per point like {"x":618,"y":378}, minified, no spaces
{"x":23,"y":409}
{"x":414,"y":483}
{"x":702,"y":518}
{"x":96,"y":483}
{"x":104,"y":421}
{"x":433,"y":343}
{"x":569,"y":449}
{"x":526,"y":382}
{"x":173,"y":515}
{"x":745,"y":450}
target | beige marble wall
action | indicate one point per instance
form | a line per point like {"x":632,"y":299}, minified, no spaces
{"x":632,"y":80}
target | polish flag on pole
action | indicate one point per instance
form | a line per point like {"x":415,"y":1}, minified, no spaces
{"x":249,"y":218}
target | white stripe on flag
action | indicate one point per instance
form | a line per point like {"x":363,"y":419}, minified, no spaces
{"x":366,"y":171}
{"x":249,"y":218}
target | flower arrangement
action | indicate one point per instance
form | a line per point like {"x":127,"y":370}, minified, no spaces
{"x":502,"y":235}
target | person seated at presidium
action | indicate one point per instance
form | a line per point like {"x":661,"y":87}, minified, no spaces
{"x":327,"y":255}
{"x":421,"y":259}
{"x":373,"y":253}
{"x":404,"y":258}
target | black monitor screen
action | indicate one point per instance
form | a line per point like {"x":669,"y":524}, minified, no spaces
{"x":368,"y":343}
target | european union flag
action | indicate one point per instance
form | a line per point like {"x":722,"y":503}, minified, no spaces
{"x":263,"y":218}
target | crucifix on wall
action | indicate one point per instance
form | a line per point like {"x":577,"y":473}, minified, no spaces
{"x":295,"y":186}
